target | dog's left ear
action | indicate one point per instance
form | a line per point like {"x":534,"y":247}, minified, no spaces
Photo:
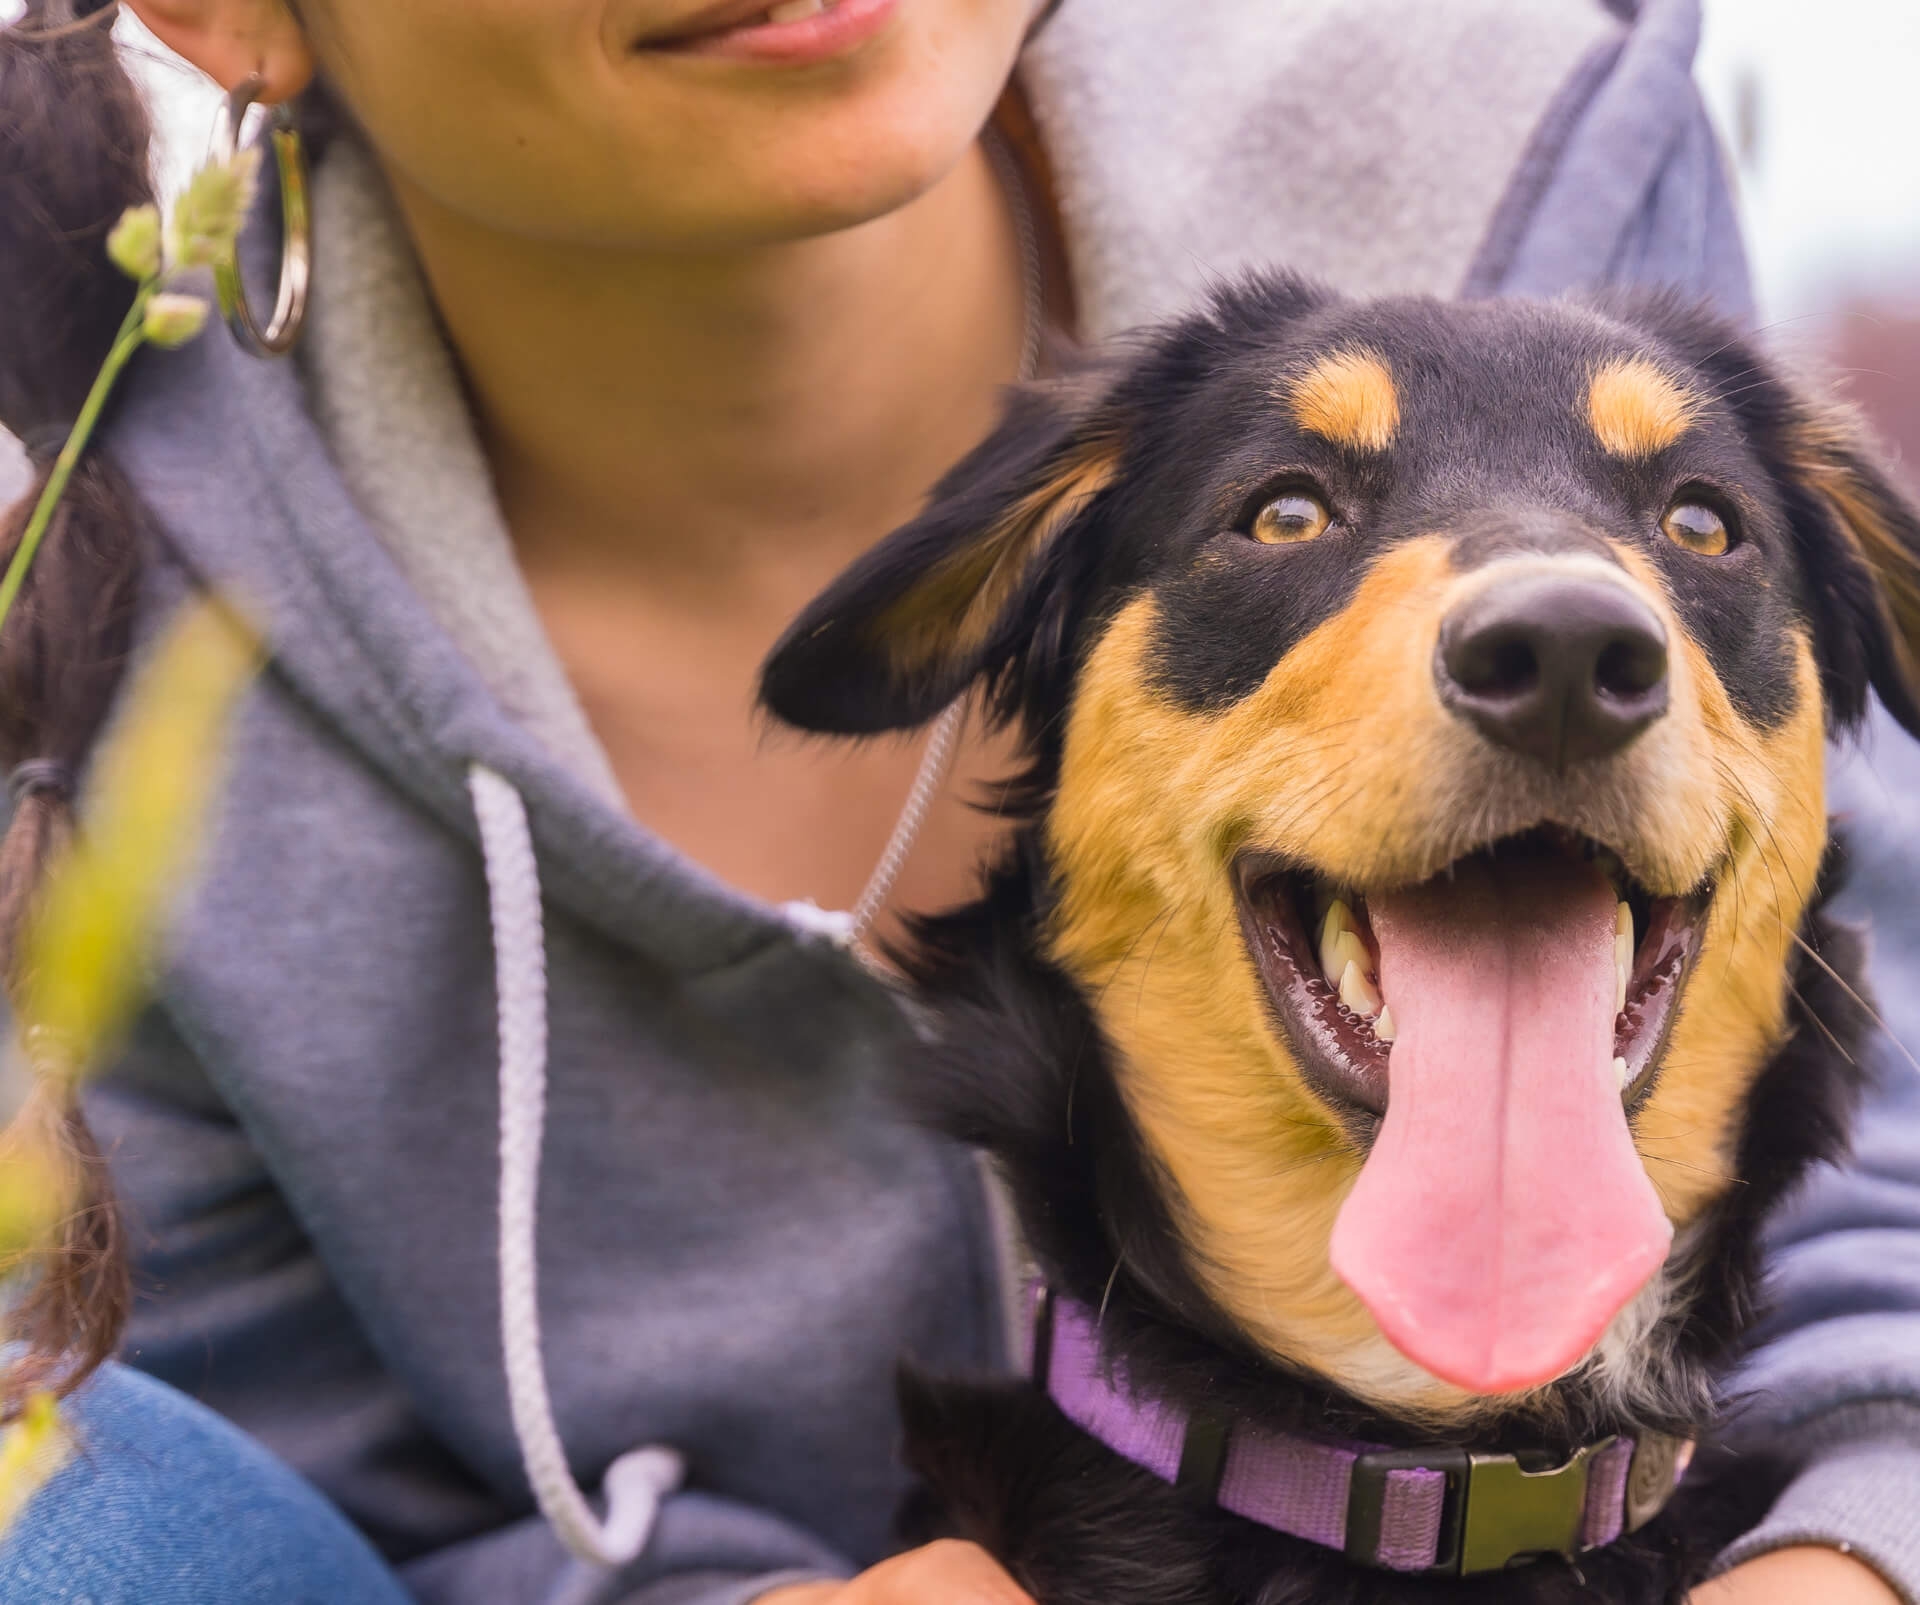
{"x":1860,"y":550}
{"x":962,"y":593}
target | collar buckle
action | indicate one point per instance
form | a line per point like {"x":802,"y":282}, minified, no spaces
{"x":1497,"y":1509}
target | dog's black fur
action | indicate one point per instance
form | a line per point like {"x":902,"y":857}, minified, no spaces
{"x":1023,"y":1072}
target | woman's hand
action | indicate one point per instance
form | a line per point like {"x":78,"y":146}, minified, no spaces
{"x":945,"y":1573}
{"x":1793,"y":1576}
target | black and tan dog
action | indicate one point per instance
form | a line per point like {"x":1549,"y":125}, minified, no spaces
{"x":1408,"y":989}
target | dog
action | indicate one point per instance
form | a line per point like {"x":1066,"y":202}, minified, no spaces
{"x":1408,"y":987}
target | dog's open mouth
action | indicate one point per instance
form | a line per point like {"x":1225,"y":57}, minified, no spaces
{"x":1314,"y":944}
{"x":1485,"y":1034}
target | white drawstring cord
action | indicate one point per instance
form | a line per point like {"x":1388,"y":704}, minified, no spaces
{"x":852,"y":928}
{"x":927,"y":780}
{"x":636,"y":1482}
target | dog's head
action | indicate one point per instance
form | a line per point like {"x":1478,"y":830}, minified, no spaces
{"x":1428,"y":706}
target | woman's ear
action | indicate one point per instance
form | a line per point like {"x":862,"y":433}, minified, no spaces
{"x":954,"y":596}
{"x":229,"y":39}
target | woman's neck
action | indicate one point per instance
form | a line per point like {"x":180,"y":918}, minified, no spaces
{"x":687,"y":419}
{"x":686,"y":449}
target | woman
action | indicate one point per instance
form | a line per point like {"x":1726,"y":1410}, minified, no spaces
{"x":632,"y":322}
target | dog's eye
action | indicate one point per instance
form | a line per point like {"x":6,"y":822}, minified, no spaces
{"x":1698,"y":528}
{"x":1294,"y":516}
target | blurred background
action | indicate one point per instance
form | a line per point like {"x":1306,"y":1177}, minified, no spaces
{"x":1819,"y":109}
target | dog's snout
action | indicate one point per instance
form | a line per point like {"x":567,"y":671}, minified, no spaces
{"x":1556,"y":667}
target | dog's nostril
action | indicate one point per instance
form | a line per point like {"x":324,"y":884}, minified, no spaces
{"x":1495,"y":665}
{"x":1630,"y":666}
{"x":1557,"y":668}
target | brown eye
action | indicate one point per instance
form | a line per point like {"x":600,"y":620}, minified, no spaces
{"x":1698,"y":528}
{"x":1296,"y":516}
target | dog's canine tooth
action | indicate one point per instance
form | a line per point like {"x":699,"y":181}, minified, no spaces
{"x":1622,"y":954}
{"x":1338,"y":923}
{"x":1349,"y":949}
{"x":1383,"y":1027}
{"x":1357,"y":992}
{"x":1620,"y":1072}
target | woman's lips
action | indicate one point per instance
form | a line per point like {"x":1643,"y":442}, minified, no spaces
{"x":787,"y":32}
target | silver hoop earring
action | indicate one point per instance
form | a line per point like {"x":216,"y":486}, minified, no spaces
{"x":296,"y":238}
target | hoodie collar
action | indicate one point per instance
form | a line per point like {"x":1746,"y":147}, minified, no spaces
{"x":229,"y":459}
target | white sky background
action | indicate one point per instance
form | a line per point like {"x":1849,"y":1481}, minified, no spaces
{"x":1830,"y":173}
{"x":1821,"y":101}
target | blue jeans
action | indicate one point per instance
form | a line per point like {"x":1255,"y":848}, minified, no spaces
{"x":166,"y":1503}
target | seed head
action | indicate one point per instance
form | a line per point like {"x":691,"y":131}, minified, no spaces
{"x":134,"y":245}
{"x":207,"y":216}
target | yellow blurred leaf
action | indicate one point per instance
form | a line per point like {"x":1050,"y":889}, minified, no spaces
{"x":88,"y":943}
{"x":31,"y":1451}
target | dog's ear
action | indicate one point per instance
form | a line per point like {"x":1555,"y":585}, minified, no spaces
{"x":1859,"y":534}
{"x":961,"y":593}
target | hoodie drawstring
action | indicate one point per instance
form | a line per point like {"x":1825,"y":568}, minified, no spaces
{"x":635,"y":1483}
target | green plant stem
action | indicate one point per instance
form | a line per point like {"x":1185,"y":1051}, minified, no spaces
{"x":128,"y":340}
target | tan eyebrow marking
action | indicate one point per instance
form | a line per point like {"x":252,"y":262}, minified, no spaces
{"x":1348,"y":397}
{"x":1636,"y":409}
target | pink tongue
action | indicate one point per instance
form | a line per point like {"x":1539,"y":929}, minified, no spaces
{"x":1503,"y":1217}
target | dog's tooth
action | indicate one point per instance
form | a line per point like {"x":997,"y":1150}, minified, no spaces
{"x":795,"y":10}
{"x":1357,"y":992}
{"x":1383,"y":1027}
{"x":1339,"y":921}
{"x":1622,"y":955}
{"x":1329,"y":929}
{"x":1620,"y":1072}
{"x":1349,"y":949}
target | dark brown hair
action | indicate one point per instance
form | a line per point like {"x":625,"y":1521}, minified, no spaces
{"x":74,"y":143}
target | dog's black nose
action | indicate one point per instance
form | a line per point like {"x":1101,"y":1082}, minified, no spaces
{"x":1558,"y":667}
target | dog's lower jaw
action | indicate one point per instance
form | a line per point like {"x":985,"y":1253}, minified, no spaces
{"x":1628,"y":1374}
{"x":1631,"y":1371}
{"x":1024,"y":1071}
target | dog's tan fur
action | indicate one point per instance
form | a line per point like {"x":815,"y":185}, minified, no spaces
{"x":1826,"y":447}
{"x":1346,"y":759}
{"x":1635,"y":409}
{"x":950,"y":613}
{"x":1348,"y":397}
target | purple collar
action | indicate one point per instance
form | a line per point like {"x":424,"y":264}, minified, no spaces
{"x":1440,"y":1510}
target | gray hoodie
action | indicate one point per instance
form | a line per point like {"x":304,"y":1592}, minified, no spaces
{"x":736,"y":1237}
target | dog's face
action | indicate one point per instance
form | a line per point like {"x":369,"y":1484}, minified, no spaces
{"x":1431,"y":704}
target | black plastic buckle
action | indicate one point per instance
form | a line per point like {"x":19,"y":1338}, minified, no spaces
{"x":1498,"y":1509}
{"x":1367,"y":1502}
